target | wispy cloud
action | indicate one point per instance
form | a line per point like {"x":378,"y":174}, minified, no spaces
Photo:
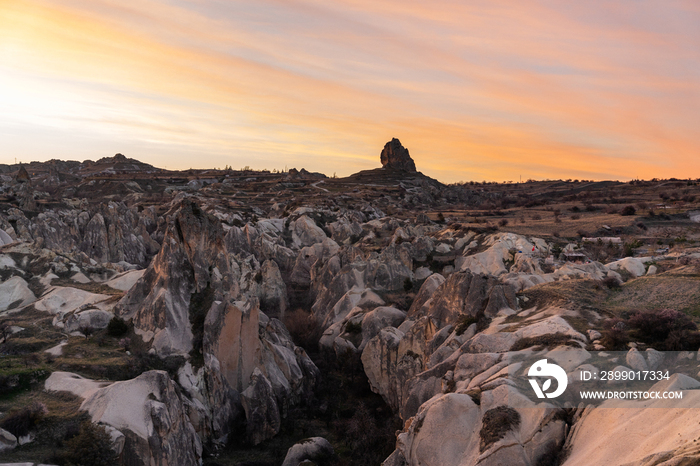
{"x":476,"y":90}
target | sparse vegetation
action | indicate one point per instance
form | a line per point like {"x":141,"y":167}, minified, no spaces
{"x":496,"y":423}
{"x":117,"y":327}
{"x":464,"y":322}
{"x":22,"y":422}
{"x":92,"y":446}
{"x":628,"y":210}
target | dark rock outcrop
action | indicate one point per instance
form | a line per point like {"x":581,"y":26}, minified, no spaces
{"x":395,"y":156}
{"x":22,"y":176}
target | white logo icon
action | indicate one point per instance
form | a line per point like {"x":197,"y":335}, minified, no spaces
{"x":543,"y":369}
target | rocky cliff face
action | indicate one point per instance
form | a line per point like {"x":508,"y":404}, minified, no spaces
{"x":198,"y":299}
{"x":149,"y":413}
{"x":112,"y":233}
{"x":394,"y":156}
{"x":192,"y":262}
{"x":438,"y":319}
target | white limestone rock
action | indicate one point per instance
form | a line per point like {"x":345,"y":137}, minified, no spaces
{"x":15,"y":293}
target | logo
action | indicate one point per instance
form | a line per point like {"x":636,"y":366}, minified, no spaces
{"x":543,"y":369}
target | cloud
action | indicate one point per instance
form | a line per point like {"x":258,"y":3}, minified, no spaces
{"x":484,"y":90}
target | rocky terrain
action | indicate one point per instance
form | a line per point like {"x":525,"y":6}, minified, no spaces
{"x":153,"y":317}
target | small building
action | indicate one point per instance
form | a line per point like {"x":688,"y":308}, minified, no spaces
{"x":603,"y":239}
{"x":571,"y":256}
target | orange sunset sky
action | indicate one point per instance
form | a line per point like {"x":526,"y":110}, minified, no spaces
{"x":476,"y":89}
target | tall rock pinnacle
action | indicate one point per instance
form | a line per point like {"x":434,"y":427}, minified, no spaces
{"x":395,"y":156}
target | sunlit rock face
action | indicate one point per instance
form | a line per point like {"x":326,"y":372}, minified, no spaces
{"x":395,"y":156}
{"x":192,"y":261}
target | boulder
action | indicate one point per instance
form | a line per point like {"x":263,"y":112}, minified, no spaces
{"x":635,"y":360}
{"x":505,"y":428}
{"x":464,"y":293}
{"x":272,"y":291}
{"x":315,"y":449}
{"x":634,"y":266}
{"x":307,"y":257}
{"x":231,"y":336}
{"x":5,"y":238}
{"x":92,"y":319}
{"x":150,"y":413}
{"x":7,"y":441}
{"x":665,"y":429}
{"x":125,"y":280}
{"x":426,"y":291}
{"x":379,"y":360}
{"x":95,"y":242}
{"x":63,"y":300}
{"x":262,"y":414}
{"x":240,"y":341}
{"x":376,"y":320}
{"x":306,"y":233}
{"x":15,"y":293}
{"x":73,"y":383}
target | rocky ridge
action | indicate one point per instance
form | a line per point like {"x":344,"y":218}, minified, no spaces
{"x":442,"y":319}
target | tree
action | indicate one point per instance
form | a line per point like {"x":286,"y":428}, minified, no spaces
{"x":91,"y":447}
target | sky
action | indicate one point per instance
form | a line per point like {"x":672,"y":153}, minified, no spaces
{"x":476,"y":90}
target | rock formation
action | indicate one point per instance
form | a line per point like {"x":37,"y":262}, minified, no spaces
{"x":210,"y":269}
{"x":22,"y":175}
{"x":192,"y":262}
{"x":194,"y":299}
{"x":394,"y":156}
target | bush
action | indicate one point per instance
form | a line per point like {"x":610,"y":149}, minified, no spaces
{"x":91,"y":447}
{"x":667,"y":329}
{"x":615,"y":334}
{"x":503,"y":222}
{"x":496,"y":423}
{"x":369,"y":440}
{"x":20,"y":423}
{"x":611,"y":283}
{"x":628,"y":210}
{"x":117,"y":327}
{"x":407,"y":285}
{"x":464,"y":322}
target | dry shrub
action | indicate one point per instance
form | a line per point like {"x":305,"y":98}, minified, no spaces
{"x":612,"y":283}
{"x":666,"y":330}
{"x":628,"y":210}
{"x":91,"y":447}
{"x":615,"y":334}
{"x":496,"y":423}
{"x":20,"y":423}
